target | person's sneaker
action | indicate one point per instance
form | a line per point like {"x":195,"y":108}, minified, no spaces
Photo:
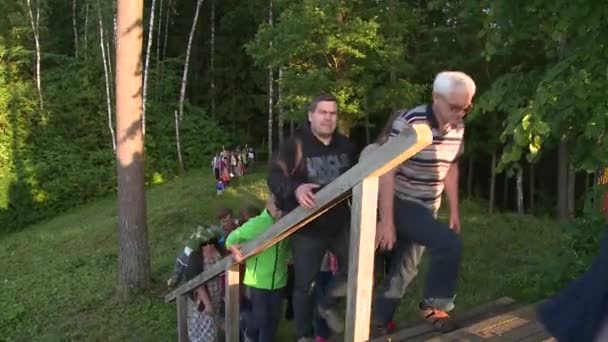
{"x":440,"y":320}
{"x":334,"y":322}
{"x":320,"y":339}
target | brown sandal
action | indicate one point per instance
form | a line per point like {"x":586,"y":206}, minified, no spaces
{"x":440,"y":319}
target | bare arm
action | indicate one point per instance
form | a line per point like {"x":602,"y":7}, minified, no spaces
{"x":386,"y":199}
{"x":386,"y":236}
{"x":203,"y":296}
{"x":451,"y":187}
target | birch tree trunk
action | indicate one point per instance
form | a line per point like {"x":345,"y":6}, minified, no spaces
{"x":147,"y":66}
{"x":167,"y":21}
{"x":180,"y":160}
{"x":86,"y":29}
{"x":182,"y":93}
{"x":106,"y":72}
{"x":281,"y":113}
{"x":134,"y":252}
{"x":35,"y":26}
{"x":212,"y":58}
{"x":158,"y":35}
{"x":164,"y":53}
{"x":270,"y":90}
{"x":74,"y":26}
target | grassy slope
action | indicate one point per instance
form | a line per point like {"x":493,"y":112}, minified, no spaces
{"x":57,"y":278}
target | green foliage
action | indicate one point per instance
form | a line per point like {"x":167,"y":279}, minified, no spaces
{"x":337,"y":47}
{"x":562,"y":100}
{"x":62,"y":158}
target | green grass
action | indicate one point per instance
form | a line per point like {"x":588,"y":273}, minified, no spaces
{"x":57,"y":279}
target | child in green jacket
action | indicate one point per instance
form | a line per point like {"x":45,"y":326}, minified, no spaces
{"x":265,"y":275}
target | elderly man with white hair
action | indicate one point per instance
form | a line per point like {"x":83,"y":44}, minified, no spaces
{"x":409,"y":198}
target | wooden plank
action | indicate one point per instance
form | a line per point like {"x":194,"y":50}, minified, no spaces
{"x":387,"y":157}
{"x":507,"y":327}
{"x":182,"y":318}
{"x":422,"y":331}
{"x":361,"y":260}
{"x":232,"y":303}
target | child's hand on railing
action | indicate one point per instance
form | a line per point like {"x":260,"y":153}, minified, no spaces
{"x":236,"y":253}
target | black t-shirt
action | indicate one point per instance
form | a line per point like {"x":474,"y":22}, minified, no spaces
{"x":305,"y":159}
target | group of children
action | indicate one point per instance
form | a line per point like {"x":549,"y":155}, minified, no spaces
{"x":228,"y":164}
{"x":266,"y":280}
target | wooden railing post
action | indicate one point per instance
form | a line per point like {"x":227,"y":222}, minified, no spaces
{"x":361,"y":260}
{"x":232,"y":303}
{"x":182,"y":316}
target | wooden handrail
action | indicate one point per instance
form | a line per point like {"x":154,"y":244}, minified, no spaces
{"x":385,"y":158}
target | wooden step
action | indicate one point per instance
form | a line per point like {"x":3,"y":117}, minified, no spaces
{"x":424,"y":331}
{"x":514,"y":326}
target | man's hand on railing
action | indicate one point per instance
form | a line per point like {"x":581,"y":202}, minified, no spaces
{"x":386,"y":237}
{"x":305,"y":195}
{"x":236,"y":253}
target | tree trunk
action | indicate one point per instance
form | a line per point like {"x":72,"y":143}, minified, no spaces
{"x":520,"y":190}
{"x":492,"y":182}
{"x":182,"y":93}
{"x":562,"y":181}
{"x":164,"y":53}
{"x":86,"y":29}
{"x":167,"y":21}
{"x":106,"y":72}
{"x":178,"y":145}
{"x":147,"y":66}
{"x":35,"y":26}
{"x":505,"y":194}
{"x":281,"y":113}
{"x":292,"y":127}
{"x":368,"y":136}
{"x":470,"y":175}
{"x":270,"y":89}
{"x":571,"y":191}
{"x":158,"y":35}
{"x":212,"y":58}
{"x":75,"y":28}
{"x":345,"y":125}
{"x":531,"y":193}
{"x":134,"y":256}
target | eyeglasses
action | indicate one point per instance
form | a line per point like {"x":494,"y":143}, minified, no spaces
{"x":454,"y":108}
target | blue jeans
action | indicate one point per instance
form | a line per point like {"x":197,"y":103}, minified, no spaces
{"x":321,"y":285}
{"x":417,"y":229}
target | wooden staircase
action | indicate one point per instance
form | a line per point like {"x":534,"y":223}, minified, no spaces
{"x":499,"y":321}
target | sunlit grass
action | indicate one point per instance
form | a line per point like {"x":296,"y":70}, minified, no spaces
{"x":57,"y":277}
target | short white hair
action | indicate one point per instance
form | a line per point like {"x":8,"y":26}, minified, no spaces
{"x":446,"y":81}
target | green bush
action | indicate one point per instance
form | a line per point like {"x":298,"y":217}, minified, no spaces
{"x":63,"y":157}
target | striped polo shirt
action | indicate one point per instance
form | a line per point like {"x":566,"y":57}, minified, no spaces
{"x":420,"y":178}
